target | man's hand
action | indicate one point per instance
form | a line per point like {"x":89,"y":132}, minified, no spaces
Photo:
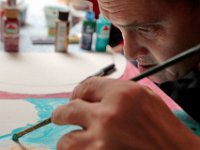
{"x":120,"y":115}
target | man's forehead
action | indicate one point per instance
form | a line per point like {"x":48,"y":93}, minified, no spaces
{"x":131,"y":6}
{"x":113,"y":3}
{"x":124,"y":10}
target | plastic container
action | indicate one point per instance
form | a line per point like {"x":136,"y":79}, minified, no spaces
{"x":88,"y":28}
{"x":11,"y":30}
{"x":103,"y":34}
{"x":62,"y":32}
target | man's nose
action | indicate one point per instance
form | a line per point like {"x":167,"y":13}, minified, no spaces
{"x":133,"y":46}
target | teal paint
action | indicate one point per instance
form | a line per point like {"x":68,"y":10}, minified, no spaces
{"x":88,"y":28}
{"x":48,"y":135}
{"x":188,"y":121}
{"x":103,"y":34}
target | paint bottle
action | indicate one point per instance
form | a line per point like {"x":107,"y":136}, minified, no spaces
{"x":88,"y":28}
{"x":102,"y":34}
{"x":11,"y":29}
{"x":62,"y":32}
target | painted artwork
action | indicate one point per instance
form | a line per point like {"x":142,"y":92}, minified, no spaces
{"x":44,"y":138}
{"x":19,"y":114}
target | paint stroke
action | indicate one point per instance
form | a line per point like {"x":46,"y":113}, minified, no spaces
{"x":46,"y":136}
{"x":188,"y":121}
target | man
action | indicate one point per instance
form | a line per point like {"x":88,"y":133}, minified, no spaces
{"x":123,"y":115}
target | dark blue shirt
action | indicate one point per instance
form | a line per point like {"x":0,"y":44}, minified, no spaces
{"x":186,"y":93}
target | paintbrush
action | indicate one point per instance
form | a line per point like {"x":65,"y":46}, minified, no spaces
{"x":102,"y":72}
{"x":178,"y":58}
{"x":16,"y":136}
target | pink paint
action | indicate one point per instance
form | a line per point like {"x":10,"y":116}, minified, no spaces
{"x":130,"y":72}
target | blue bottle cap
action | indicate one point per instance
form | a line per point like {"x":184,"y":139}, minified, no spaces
{"x":90,"y":15}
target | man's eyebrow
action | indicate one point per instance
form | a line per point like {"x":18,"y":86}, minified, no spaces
{"x":136,"y":24}
{"x":132,"y":25}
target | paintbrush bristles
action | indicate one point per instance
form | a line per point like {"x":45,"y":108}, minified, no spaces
{"x":16,"y":136}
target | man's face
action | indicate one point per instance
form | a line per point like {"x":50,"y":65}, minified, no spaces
{"x":154,"y":31}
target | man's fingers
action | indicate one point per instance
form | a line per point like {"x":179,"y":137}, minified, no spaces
{"x":76,"y":112}
{"x":73,"y":141}
{"x":93,"y":89}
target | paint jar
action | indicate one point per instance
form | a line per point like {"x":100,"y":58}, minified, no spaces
{"x":88,"y":28}
{"x":62,"y":32}
{"x":11,"y":30}
{"x":102,"y":34}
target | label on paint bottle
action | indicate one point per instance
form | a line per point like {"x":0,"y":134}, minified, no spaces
{"x":62,"y":32}
{"x":88,"y":28}
{"x":11,"y":29}
{"x":103,"y":34}
{"x":61,"y":38}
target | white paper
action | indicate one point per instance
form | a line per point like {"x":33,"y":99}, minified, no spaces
{"x":48,"y":73}
{"x":11,"y":145}
{"x":15,"y":114}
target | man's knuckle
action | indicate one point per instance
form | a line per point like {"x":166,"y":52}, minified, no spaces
{"x":108,"y":117}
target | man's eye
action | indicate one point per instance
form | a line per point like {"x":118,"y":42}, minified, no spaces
{"x":148,"y":32}
{"x":144,"y":29}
